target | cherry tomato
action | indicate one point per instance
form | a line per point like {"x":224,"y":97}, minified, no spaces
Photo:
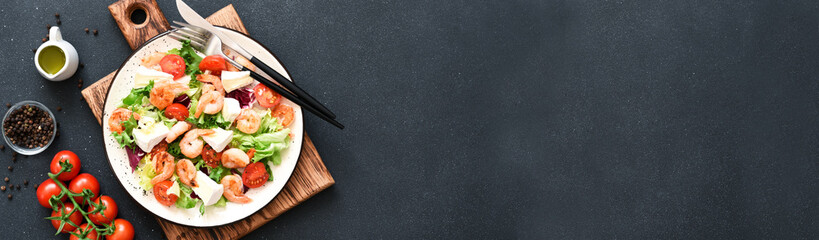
{"x":65,"y":156}
{"x":47,"y":189}
{"x":76,"y":218}
{"x":284,"y":113}
{"x":173,"y":64}
{"x":123,"y":230}
{"x":162,"y":146}
{"x":177,"y":111}
{"x":211,"y":157}
{"x":215,"y":63}
{"x":91,"y":235}
{"x":266,"y":96}
{"x":84,"y":181}
{"x":161,"y":193}
{"x":108,"y":214}
{"x":255,"y":175}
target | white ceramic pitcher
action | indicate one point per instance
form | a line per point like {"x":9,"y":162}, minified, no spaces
{"x":72,"y":59}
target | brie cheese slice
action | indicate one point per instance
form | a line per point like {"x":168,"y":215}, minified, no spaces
{"x":235,"y":80}
{"x":208,"y":190}
{"x":219,"y":139}
{"x":231,"y":109}
{"x":149,"y":133}
{"x":144,"y":76}
{"x":174,"y":189}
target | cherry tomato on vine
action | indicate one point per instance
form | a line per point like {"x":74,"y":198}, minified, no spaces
{"x":47,"y":189}
{"x":173,"y":64}
{"x":75,"y":217}
{"x":161,"y":193}
{"x":255,"y":175}
{"x":84,"y":181}
{"x":65,"y":156}
{"x":266,"y":96}
{"x":91,"y":235}
{"x":108,"y":214}
{"x":177,"y":111}
{"x":215,"y":63}
{"x":123,"y":230}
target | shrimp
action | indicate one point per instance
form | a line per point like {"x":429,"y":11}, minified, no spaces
{"x":186,"y":172}
{"x":207,"y":78}
{"x":210,"y":102}
{"x":152,"y":60}
{"x":163,"y":164}
{"x":244,"y":62}
{"x":284,"y":113}
{"x":235,"y":158}
{"x":234,"y":191}
{"x":191,"y":145}
{"x":177,"y":130}
{"x":248,"y":121}
{"x":164,"y":91}
{"x":118,"y":116}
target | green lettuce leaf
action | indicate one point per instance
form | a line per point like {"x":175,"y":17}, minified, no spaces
{"x":145,"y":171}
{"x":185,"y":201}
{"x":218,"y":173}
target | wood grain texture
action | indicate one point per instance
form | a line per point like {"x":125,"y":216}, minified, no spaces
{"x":309,"y":177}
{"x":136,"y":34}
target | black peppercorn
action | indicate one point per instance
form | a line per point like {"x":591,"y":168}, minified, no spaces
{"x":95,"y":31}
{"x":59,"y":22}
{"x":57,"y":15}
{"x":6,"y":179}
{"x":25,"y":182}
{"x":86,"y":30}
{"x":9,"y":196}
{"x":11,"y":168}
{"x":3,"y":188}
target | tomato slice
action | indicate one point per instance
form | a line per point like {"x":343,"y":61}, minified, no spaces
{"x":211,"y":157}
{"x":255,"y":175}
{"x":266,"y":96}
{"x":173,"y":64}
{"x":161,"y":195}
{"x":177,"y":111}
{"x":215,"y":63}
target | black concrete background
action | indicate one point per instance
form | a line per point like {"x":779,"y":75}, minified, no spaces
{"x":498,"y":119}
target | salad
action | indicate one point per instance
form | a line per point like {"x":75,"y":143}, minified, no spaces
{"x":199,"y":132}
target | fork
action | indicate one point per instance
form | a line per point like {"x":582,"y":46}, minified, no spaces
{"x":205,"y":42}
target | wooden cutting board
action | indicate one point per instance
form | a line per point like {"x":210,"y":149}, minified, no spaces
{"x":309,"y":177}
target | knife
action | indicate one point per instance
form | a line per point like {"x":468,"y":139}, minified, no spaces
{"x":195,"y":19}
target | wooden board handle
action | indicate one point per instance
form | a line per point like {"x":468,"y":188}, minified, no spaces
{"x":138,"y":33}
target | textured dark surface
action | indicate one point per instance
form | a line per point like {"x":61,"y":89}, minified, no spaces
{"x":499,"y":119}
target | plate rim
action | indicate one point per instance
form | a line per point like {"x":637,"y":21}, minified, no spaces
{"x":111,"y":166}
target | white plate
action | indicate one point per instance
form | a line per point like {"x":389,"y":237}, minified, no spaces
{"x":214,"y":216}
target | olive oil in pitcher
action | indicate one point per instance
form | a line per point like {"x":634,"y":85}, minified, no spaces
{"x":52,"y":59}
